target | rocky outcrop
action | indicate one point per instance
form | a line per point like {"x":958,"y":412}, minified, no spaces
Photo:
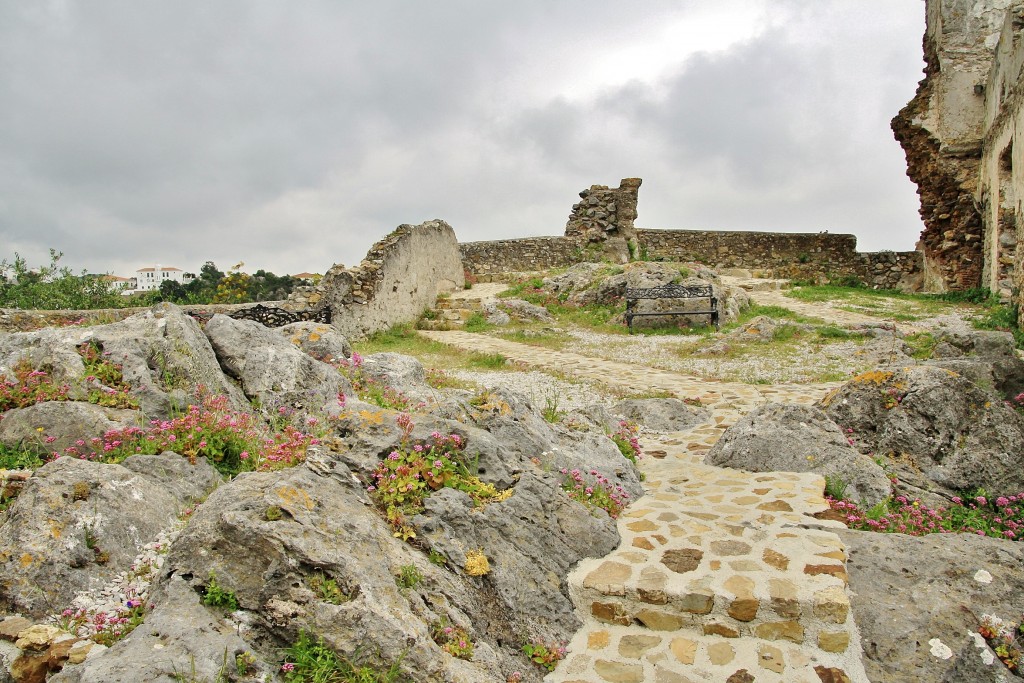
{"x":918,"y":600}
{"x":55,"y":426}
{"x":270,"y":368}
{"x":794,"y":438}
{"x":164,"y":357}
{"x":939,"y":432}
{"x":661,"y":414}
{"x":76,"y":524}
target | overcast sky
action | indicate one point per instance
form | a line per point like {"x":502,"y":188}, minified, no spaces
{"x":293,"y":135}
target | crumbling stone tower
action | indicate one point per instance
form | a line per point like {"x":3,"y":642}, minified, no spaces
{"x":604,"y":218}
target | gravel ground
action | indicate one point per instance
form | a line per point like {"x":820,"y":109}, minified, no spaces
{"x":541,"y":388}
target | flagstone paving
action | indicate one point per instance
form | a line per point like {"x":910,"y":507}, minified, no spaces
{"x":721,"y":575}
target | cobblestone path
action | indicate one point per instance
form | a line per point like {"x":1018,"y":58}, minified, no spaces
{"x":721,"y":575}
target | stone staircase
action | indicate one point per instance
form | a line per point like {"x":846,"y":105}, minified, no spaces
{"x":721,"y":575}
{"x":451,"y":312}
{"x":718,"y":578}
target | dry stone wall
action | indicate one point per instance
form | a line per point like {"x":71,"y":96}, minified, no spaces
{"x":401,"y":276}
{"x":491,"y":260}
{"x":803,"y":256}
{"x":800,"y":256}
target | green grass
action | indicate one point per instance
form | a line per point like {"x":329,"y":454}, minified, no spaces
{"x":309,"y":660}
{"x":477,"y":323}
{"x":12,"y":458}
{"x":486,"y":361}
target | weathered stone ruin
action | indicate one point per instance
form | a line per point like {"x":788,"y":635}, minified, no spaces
{"x":605,"y":216}
{"x":959,"y":135}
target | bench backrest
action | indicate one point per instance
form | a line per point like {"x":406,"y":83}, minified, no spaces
{"x":669,"y":292}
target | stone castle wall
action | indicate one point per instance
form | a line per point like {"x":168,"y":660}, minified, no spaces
{"x":802,"y":256}
{"x":493,"y":259}
{"x":401,"y":276}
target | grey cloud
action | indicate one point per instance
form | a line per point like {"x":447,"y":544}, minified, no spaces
{"x":294,"y":135}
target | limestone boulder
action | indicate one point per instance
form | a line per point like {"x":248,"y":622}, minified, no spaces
{"x":576,"y":279}
{"x":163,"y":354}
{"x":907,"y":592}
{"x":404,"y":373}
{"x":939,"y":432}
{"x":531,"y":541}
{"x":661,"y":414}
{"x":987,"y":358}
{"x":795,"y":438}
{"x":70,"y":424}
{"x":77,"y":523}
{"x":523,"y":311}
{"x":270,"y":368}
{"x":181,"y":640}
{"x":319,"y":340}
{"x":496,"y":316}
{"x":326,"y":527}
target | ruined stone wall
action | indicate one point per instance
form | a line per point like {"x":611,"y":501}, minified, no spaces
{"x":1001,"y":186}
{"x":491,"y":260}
{"x":604,"y":216}
{"x":817,"y":257}
{"x":800,"y":256}
{"x":941,"y":132}
{"x":401,"y":276}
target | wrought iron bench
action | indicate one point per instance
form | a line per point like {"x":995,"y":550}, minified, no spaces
{"x":634,"y":295}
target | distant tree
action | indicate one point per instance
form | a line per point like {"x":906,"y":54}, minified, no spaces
{"x":53,"y":287}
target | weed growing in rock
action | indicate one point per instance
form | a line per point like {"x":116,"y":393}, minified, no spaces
{"x":551,"y":412}
{"x":28,"y":386}
{"x":437,"y":558}
{"x":12,"y":458}
{"x":105,"y":628}
{"x":216,"y":596}
{"x":1005,"y":639}
{"x":104,"y":378}
{"x":412,"y":472}
{"x":309,"y":660}
{"x":233,"y":441}
{"x":999,"y":517}
{"x":327,"y":589}
{"x":409,"y":576}
{"x":452,"y":639}
{"x":611,"y":498}
{"x":626,"y":438}
{"x":544,"y":655}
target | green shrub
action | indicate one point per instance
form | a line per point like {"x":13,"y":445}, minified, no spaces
{"x":216,"y":596}
{"x":309,"y":660}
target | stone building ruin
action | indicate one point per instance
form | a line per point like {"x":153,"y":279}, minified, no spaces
{"x":604,"y":216}
{"x":959,"y":134}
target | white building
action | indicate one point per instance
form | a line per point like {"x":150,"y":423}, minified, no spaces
{"x":147,"y":279}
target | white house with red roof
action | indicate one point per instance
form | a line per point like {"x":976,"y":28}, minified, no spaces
{"x":147,"y":279}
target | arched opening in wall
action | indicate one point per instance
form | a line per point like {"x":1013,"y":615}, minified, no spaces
{"x":1003,"y":238}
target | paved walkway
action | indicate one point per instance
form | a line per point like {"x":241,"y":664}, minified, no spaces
{"x":721,"y":575}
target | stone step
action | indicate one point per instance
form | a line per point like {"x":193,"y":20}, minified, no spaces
{"x":621,"y":654}
{"x":459,"y":304}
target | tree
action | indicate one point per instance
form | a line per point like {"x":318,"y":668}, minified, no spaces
{"x":54,"y":287}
